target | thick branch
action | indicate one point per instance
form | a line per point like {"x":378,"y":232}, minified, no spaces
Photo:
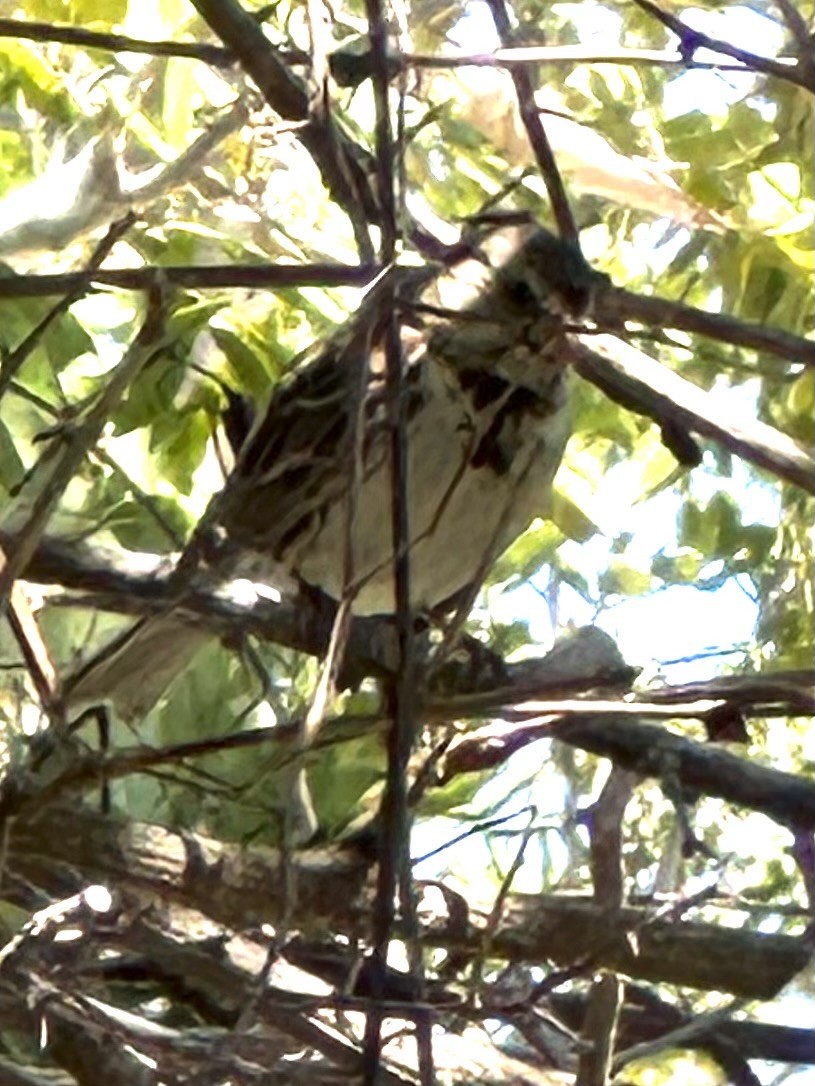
{"x":241,"y":887}
{"x":236,"y":886}
{"x":625,"y":373}
{"x":638,"y":746}
{"x":701,"y":769}
{"x":567,"y":929}
{"x":647,"y":1019}
{"x":615,"y":305}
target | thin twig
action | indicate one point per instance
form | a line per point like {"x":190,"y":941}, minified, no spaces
{"x":394,"y":870}
{"x":10,"y":366}
{"x":691,"y":40}
{"x":62,"y":459}
{"x":561,"y":209}
{"x":571,"y":56}
{"x":114,"y":43}
{"x":286,"y":94}
{"x":496,"y":912}
{"x":28,"y":634}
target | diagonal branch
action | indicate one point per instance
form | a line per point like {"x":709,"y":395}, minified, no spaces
{"x":335,"y":154}
{"x":691,"y":40}
{"x":525,"y":90}
{"x":62,"y":459}
{"x":630,"y":376}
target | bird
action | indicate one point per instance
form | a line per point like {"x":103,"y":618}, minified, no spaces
{"x":309,"y":500}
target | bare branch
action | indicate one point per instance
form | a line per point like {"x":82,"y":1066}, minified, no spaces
{"x":615,"y":304}
{"x":646,"y":385}
{"x":600,"y":1031}
{"x":570,"y":56}
{"x":561,"y":209}
{"x":691,"y":40}
{"x":238,"y":885}
{"x":331,"y":150}
{"x":114,"y":43}
{"x":195,"y":276}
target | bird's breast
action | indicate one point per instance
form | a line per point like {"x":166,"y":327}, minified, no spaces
{"x":482,"y":454}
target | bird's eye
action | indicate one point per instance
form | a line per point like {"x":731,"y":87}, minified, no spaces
{"x":522,"y":294}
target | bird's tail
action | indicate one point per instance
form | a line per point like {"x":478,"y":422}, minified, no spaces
{"x":134,"y":670}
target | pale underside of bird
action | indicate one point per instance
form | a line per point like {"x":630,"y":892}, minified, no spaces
{"x":310,"y":497}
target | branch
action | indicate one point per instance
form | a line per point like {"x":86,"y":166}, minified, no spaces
{"x":350,"y":69}
{"x":638,"y":381}
{"x":797,"y":26}
{"x":566,"y":929}
{"x":195,"y":276}
{"x":114,"y":43}
{"x":335,"y":154}
{"x":691,"y":40}
{"x":371,"y":648}
{"x":650,"y":751}
{"x":570,"y":56}
{"x":600,"y":727}
{"x":600,"y":1031}
{"x":539,"y":141}
{"x":702,"y":770}
{"x":781,"y":693}
{"x":394,"y":874}
{"x":239,"y":886}
{"x":228,"y":882}
{"x":646,"y":1017}
{"x":615,"y":305}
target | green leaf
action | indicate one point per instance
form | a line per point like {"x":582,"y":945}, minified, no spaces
{"x":801,"y":407}
{"x":624,"y":579}
{"x":181,"y":446}
{"x":714,"y":531}
{"x":12,"y":468}
{"x":250,"y":371}
{"x":678,"y":569}
{"x":570,"y":518}
{"x":152,"y":396}
{"x":138,"y":528}
{"x":726,"y":516}
{"x":528,"y":553}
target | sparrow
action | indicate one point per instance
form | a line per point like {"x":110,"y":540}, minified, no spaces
{"x":309,"y":498}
